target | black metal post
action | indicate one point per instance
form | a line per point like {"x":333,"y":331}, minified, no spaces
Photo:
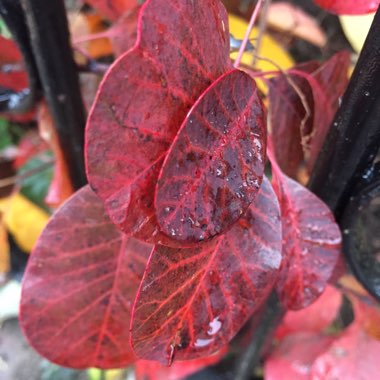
{"x":50,"y":40}
{"x":354,"y":137}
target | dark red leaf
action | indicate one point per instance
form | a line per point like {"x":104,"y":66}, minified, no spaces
{"x":298,"y":135}
{"x":315,"y":318}
{"x":349,"y":7}
{"x":215,"y":166}
{"x":193,"y":301}
{"x":354,"y":356}
{"x":144,"y":99}
{"x":311,"y":242}
{"x":150,"y":370}
{"x":288,"y":117}
{"x":79,"y":286}
{"x":294,"y":357}
{"x":11,"y":77}
{"x":113,"y":9}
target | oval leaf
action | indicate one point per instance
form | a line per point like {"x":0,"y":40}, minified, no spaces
{"x":315,"y":318}
{"x":79,"y":286}
{"x":143,"y":101}
{"x":294,"y":356}
{"x":311,"y":242}
{"x":349,"y":7}
{"x":354,"y":356}
{"x":191,"y":302}
{"x":216,"y":164}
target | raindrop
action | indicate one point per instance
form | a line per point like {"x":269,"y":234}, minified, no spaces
{"x":367,"y":93}
{"x":167,"y":209}
{"x":172,"y":232}
{"x":215,"y":326}
{"x":203,"y":342}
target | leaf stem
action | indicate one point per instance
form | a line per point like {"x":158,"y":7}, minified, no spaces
{"x":247,"y":33}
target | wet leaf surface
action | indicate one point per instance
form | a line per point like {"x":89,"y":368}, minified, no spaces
{"x":311,"y":242}
{"x":143,"y":101}
{"x":79,"y":287}
{"x":193,"y":301}
{"x":215,"y":166}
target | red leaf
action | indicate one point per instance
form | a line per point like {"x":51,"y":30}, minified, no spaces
{"x":311,"y":242}
{"x":10,"y":54}
{"x":149,"y":370}
{"x":79,"y":286}
{"x":60,"y":188}
{"x":113,"y":9}
{"x":215,"y":166}
{"x":288,"y":117}
{"x":294,"y":357}
{"x":144,"y":99}
{"x":354,"y":356}
{"x":315,"y":318}
{"x":296,"y":134}
{"x":191,"y":302}
{"x":349,"y":7}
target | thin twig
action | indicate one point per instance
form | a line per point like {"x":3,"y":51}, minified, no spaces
{"x":247,"y":33}
{"x":4,"y":182}
{"x":262,"y":28}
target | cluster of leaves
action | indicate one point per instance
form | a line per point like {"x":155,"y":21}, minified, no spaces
{"x":179,"y":238}
{"x":175,"y":152}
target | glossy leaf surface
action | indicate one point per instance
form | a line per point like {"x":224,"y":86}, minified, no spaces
{"x":349,"y":7}
{"x":215,"y":166}
{"x":113,"y":9}
{"x":353,"y":356}
{"x":311,"y":242}
{"x":294,"y":356}
{"x":302,"y":105}
{"x":144,"y":99}
{"x":79,"y":287}
{"x":193,"y":301}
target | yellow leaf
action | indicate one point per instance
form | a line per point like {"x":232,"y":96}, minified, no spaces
{"x":269,"y":48}
{"x":356,"y":29}
{"x":23,"y":219}
{"x":4,"y":249}
{"x":112,"y":374}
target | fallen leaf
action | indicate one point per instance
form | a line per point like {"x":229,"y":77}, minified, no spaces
{"x":290,"y":19}
{"x":351,"y":357}
{"x":23,"y":219}
{"x":315,"y":318}
{"x":295,"y":355}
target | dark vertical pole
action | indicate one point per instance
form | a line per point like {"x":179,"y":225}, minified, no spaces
{"x":354,"y":137}
{"x":50,"y":40}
